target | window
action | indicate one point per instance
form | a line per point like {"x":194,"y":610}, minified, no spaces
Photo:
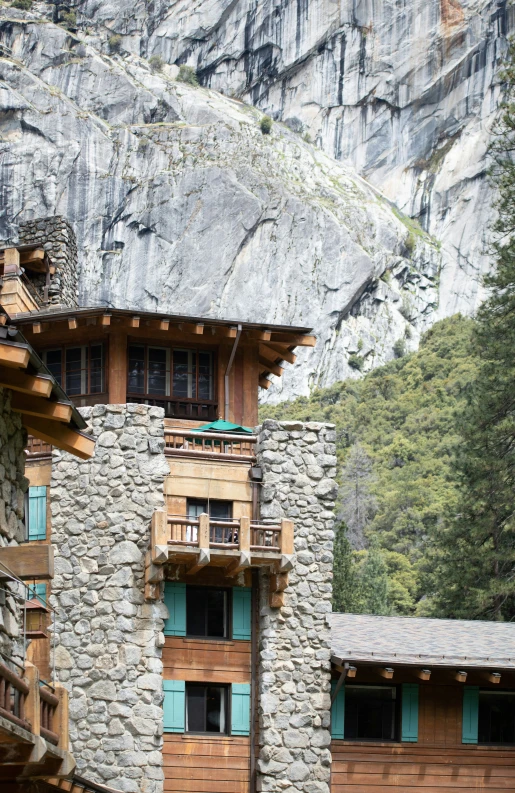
{"x":78,"y":370}
{"x":160,"y":371}
{"x":207,"y":612}
{"x":218,"y":511}
{"x":206,"y":708}
{"x":370,"y":713}
{"x":496,"y":717}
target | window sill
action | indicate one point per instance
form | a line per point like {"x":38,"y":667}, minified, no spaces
{"x":222,"y":642}
{"x":200,"y":736}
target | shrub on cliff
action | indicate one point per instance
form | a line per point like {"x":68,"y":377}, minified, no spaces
{"x":156,"y":63}
{"x":266,"y":125}
{"x":187,"y":74}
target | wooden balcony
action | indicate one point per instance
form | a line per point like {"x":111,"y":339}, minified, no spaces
{"x":210,"y":445}
{"x":33,"y":727}
{"x":37,"y":449}
{"x":233,"y":545}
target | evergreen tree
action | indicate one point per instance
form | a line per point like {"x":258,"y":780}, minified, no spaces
{"x":373,"y":584}
{"x":357,"y":502}
{"x":475,"y":563}
{"x":345,"y":579}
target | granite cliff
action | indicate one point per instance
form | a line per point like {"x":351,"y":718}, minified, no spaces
{"x":181,"y":203}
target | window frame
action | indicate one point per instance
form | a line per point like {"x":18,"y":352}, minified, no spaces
{"x":228,"y":616}
{"x":397,"y":713}
{"x":105,"y":365}
{"x":227,"y":689}
{"x":170,"y":349}
{"x":495,"y":693}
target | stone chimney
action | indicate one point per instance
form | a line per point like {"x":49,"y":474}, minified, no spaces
{"x":57,"y":237}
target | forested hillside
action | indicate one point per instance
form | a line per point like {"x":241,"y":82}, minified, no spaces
{"x":396,"y":438}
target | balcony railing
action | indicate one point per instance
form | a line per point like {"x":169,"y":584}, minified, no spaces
{"x":179,"y":408}
{"x":214,"y":445}
{"x":48,"y":710}
{"x":225,"y":534}
{"x":37,"y":449}
{"x":13,"y":692}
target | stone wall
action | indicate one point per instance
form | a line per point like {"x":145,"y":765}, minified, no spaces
{"x":298,"y":462}
{"x":13,"y":486}
{"x":57,"y":237}
{"x":109,"y":640}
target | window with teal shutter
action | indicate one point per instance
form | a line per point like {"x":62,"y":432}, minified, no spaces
{"x":470,"y":714}
{"x":409,"y":729}
{"x":37,"y":591}
{"x":241,"y":612}
{"x":338,"y":712}
{"x":37,"y":513}
{"x":175,"y":602}
{"x":174,"y":705}
{"x":240,"y":709}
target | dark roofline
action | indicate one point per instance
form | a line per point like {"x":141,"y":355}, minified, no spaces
{"x":63,"y":313}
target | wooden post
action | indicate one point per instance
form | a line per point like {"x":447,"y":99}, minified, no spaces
{"x":159,"y":537}
{"x":11,"y":261}
{"x":244,"y":534}
{"x":32,"y":702}
{"x":117,"y":367}
{"x":61,"y":716}
{"x":203,"y":531}
{"x":287,"y":547}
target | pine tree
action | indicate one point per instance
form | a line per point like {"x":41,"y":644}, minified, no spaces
{"x":475,"y":569}
{"x":345,"y":579}
{"x":373,"y":585}
{"x":357,"y":502}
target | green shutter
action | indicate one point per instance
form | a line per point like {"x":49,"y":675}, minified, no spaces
{"x":470,"y":714}
{"x":409,"y":729}
{"x":240,"y":709}
{"x":38,"y":591}
{"x":175,"y":602}
{"x":241,"y":612}
{"x":37,"y":513}
{"x":174,"y":705}
{"x":338,"y":712}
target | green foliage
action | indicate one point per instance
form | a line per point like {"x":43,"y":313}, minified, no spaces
{"x":345,"y":574}
{"x":187,"y":74}
{"x":23,"y":5}
{"x":156,"y":63}
{"x":356,"y":361}
{"x":473,"y":564}
{"x":404,"y":416}
{"x":265,"y":125}
{"x":115,"y":43}
{"x":68,"y":19}
{"x":360,"y":578}
{"x":373,"y":584}
{"x":399,"y":348}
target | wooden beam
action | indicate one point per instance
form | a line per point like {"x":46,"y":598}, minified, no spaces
{"x":60,"y":435}
{"x":386,"y":672}
{"x":461,"y":677}
{"x":423,"y":674}
{"x":228,"y":333}
{"x":275,"y":351}
{"x":159,"y":536}
{"x":25,"y":383}
{"x":28,"y":561}
{"x":265,"y":335}
{"x":271,"y":367}
{"x":351,"y":670}
{"x":164,"y":324}
{"x":494,"y":677}
{"x":14,"y":356}
{"x":294,"y":341}
{"x":105,"y":320}
{"x":34,"y":406}
{"x":134,"y":322}
{"x":37,"y":327}
{"x":264,"y":383}
{"x":36,"y":254}
{"x":72,"y":323}
{"x":202,"y":560}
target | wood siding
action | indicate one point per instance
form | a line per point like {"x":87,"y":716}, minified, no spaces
{"x":195,"y":764}
{"x":206,"y":661}
{"x":371,"y":768}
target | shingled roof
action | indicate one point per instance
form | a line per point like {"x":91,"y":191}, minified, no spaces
{"x":413,"y":640}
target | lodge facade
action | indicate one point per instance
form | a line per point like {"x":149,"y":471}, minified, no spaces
{"x":192,"y":590}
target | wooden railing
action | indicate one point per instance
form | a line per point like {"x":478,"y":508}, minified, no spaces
{"x":217,"y":445}
{"x":48,"y":708}
{"x":178,"y":408}
{"x":227,"y":534}
{"x":13,"y":692}
{"x":37,"y":448}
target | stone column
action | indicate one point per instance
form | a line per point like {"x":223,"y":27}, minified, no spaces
{"x":299,"y":463}
{"x":57,"y":237}
{"x":109,"y":640}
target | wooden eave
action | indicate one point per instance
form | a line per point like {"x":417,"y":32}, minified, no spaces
{"x":276,"y":343}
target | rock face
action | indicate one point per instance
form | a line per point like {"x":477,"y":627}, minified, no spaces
{"x":108,"y":640}
{"x":180,"y":203}
{"x":299,"y":463}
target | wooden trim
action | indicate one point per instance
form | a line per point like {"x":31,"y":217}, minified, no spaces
{"x":264,"y":382}
{"x":25,"y":383}
{"x":33,"y":406}
{"x":28,"y":561}
{"x":14,"y":356}
{"x":268,"y":366}
{"x":61,"y":436}
{"x":276,"y":351}
{"x":294,"y":341}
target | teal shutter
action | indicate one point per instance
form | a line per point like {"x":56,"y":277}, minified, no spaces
{"x":174,"y":705}
{"x":470,"y":714}
{"x":241,"y":612}
{"x":409,"y":728}
{"x":240,"y":709}
{"x":338,"y":712}
{"x":37,"y":513}
{"x":175,"y":602}
{"x":39,"y":591}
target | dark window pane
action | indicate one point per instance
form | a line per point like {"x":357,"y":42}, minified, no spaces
{"x":136,"y":382}
{"x":157,"y":373}
{"x":221,"y":510}
{"x":76,"y":370}
{"x":53,"y":359}
{"x":206,"y":612}
{"x":369,"y":713}
{"x":496,"y":717}
{"x":195,"y":612}
{"x":96,"y":385}
{"x":196,"y":508}
{"x":196,"y":704}
{"x":216,"y":613}
{"x":215,"y":709}
{"x":205,"y":375}
{"x":181,"y":374}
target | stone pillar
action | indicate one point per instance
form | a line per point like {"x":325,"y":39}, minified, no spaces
{"x":108,"y":640}
{"x":13,"y":486}
{"x":57,"y":237}
{"x":299,"y":463}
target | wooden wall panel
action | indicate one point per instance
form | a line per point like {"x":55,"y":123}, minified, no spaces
{"x":205,"y":660}
{"x":195,"y":764}
{"x":440,"y":715}
{"x":371,"y":768}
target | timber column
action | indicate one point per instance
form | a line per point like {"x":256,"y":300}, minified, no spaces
{"x":108,"y":639}
{"x":299,"y":466}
